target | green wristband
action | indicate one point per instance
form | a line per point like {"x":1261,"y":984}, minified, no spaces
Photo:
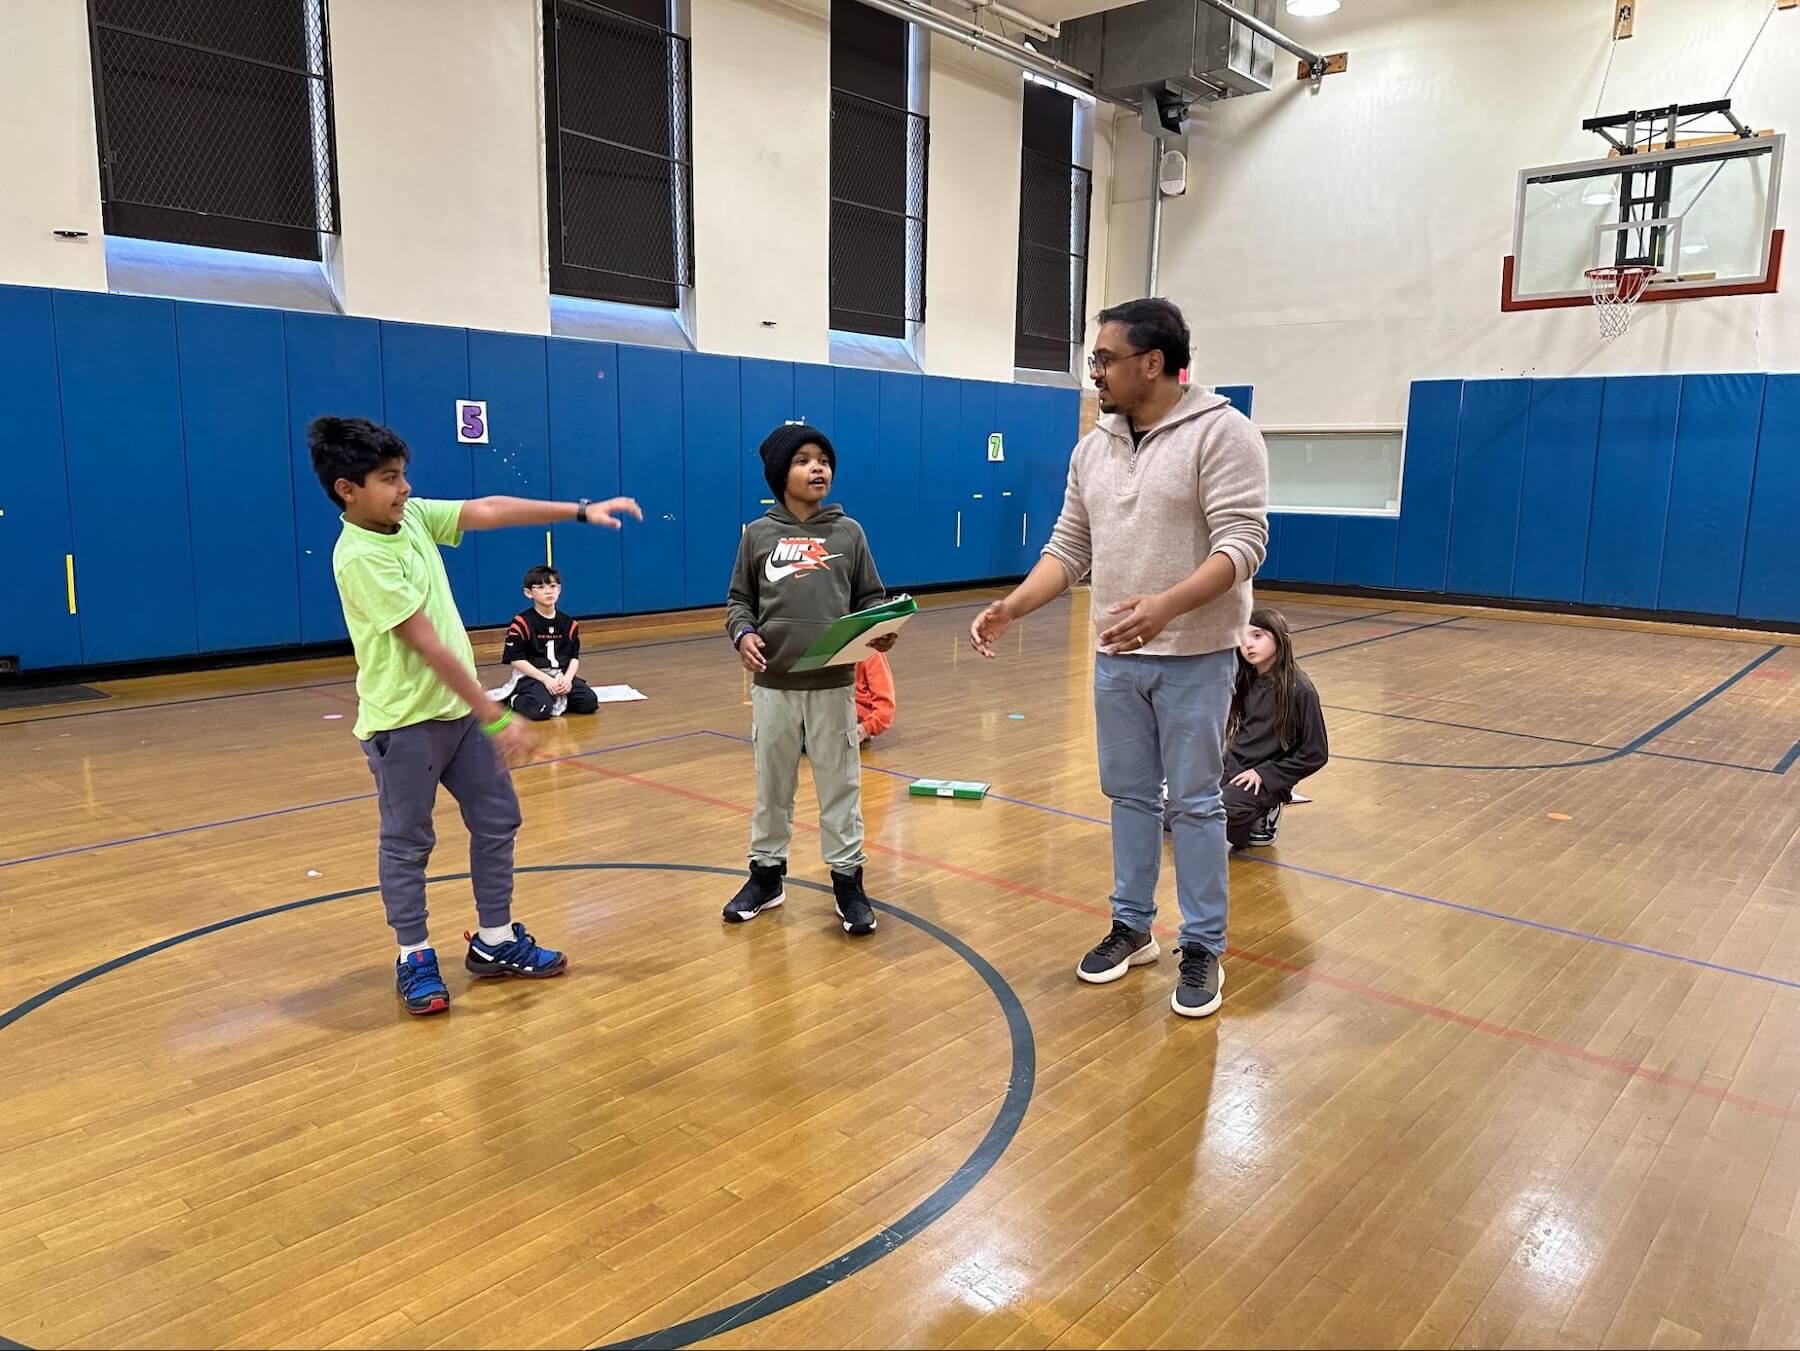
{"x":498,"y":725}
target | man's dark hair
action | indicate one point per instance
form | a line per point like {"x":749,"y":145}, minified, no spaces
{"x":542,"y":573}
{"x":1154,"y":326}
{"x":352,"y":448}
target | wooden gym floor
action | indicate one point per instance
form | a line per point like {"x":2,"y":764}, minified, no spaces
{"x":1509,"y":1054}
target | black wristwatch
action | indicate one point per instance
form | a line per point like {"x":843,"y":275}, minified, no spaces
{"x":581,"y":511}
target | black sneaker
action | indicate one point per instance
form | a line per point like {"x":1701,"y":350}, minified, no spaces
{"x":762,"y":892}
{"x":1121,"y":949}
{"x":1200,"y":989}
{"x":852,"y":905}
{"x":1262,"y":830}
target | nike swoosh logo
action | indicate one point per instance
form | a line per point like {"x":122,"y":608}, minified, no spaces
{"x":776,"y":571}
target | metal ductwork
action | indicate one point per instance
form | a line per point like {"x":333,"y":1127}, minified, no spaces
{"x":1161,"y":56}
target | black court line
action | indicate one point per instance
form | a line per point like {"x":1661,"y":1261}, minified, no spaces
{"x":1380,"y":637}
{"x":1786,"y":762}
{"x":1333,"y":623}
{"x":1021,"y":1080}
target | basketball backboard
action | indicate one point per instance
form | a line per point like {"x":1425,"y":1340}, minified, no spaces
{"x":1702,"y":215}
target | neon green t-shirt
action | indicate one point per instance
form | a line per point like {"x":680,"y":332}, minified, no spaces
{"x":384,"y":580}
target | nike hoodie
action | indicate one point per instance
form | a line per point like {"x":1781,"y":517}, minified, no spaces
{"x":793,"y":579}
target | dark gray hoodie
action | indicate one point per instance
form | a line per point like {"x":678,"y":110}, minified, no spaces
{"x":793,"y":579}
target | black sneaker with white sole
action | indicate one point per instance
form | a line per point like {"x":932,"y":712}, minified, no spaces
{"x":1262,"y":830}
{"x":763,"y":891}
{"x":1122,"y":949}
{"x":1200,"y":988}
{"x":852,"y":904}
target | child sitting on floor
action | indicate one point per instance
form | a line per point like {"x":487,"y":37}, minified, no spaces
{"x":543,"y":647}
{"x":1274,"y":735}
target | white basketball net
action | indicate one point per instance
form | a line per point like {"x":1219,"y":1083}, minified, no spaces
{"x":1616,"y":292}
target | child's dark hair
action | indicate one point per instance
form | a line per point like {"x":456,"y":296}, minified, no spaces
{"x":1283,"y":672}
{"x":542,"y":573}
{"x":352,"y":448}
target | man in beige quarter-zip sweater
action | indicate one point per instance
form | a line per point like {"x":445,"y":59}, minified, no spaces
{"x":1167,"y":510}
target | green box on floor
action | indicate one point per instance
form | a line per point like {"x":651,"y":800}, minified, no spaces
{"x":947,"y":788}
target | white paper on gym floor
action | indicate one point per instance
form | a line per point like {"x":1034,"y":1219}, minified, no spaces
{"x":617,"y":694}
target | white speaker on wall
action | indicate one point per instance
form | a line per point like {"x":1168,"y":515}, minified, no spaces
{"x":1171,"y":174}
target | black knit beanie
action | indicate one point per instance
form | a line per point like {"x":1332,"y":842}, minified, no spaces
{"x":778,"y":450}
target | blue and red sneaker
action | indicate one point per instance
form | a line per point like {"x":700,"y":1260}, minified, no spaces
{"x":421,"y":988}
{"x":519,"y":956}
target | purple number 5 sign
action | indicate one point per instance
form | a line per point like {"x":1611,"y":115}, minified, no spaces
{"x":472,"y":421}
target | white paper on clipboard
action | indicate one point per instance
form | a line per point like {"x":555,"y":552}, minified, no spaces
{"x":858,"y":648}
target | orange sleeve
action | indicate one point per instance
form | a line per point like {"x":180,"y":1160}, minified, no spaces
{"x":875,"y":694}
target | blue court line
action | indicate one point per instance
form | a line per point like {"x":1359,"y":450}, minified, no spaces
{"x":1469,"y":727}
{"x":1787,"y":761}
{"x":1400,"y":892}
{"x":1501,"y":915}
{"x":1560,"y":764}
{"x":302,"y":807}
{"x":1632,"y":747}
{"x":1700,"y":760}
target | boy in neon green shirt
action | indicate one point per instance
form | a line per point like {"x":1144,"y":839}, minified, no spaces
{"x":422,"y":717}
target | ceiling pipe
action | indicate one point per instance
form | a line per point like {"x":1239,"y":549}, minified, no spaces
{"x":1042,"y":29}
{"x":1153,"y":269}
{"x":1315,"y":64}
{"x":965,"y":32}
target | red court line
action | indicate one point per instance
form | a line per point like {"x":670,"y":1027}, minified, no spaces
{"x":1503,"y":1031}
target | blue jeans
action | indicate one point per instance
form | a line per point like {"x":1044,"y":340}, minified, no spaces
{"x":1156,"y":719}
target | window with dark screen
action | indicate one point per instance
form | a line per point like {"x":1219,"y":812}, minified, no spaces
{"x":1053,"y":228}
{"x":619,"y":172}
{"x":878,"y":163}
{"x":214,"y":122}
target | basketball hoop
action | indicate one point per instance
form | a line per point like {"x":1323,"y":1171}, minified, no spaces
{"x":1616,"y":292}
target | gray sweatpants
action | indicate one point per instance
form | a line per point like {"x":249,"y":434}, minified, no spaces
{"x":824,"y":721}
{"x":408,"y":764}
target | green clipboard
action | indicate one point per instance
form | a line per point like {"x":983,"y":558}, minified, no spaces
{"x":847,"y":641}
{"x":957,"y":788}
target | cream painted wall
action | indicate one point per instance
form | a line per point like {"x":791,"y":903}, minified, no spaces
{"x":440,"y":169}
{"x":1332,"y":248}
{"x":440,"y":161}
{"x":972,"y":230}
{"x":762,"y":164}
{"x":48,"y":158}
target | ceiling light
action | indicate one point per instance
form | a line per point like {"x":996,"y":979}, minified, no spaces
{"x":1311,"y":9}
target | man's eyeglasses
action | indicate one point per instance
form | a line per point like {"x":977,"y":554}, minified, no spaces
{"x":1097,"y":362}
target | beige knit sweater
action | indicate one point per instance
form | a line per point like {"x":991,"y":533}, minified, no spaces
{"x":1142,"y":518}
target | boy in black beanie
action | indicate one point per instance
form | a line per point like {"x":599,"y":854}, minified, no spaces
{"x":799,"y":569}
